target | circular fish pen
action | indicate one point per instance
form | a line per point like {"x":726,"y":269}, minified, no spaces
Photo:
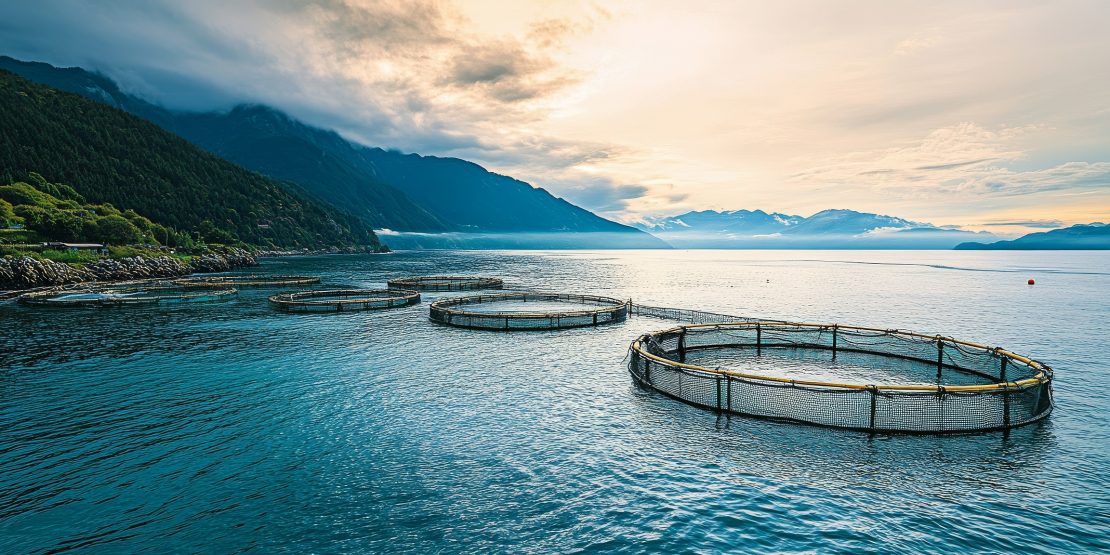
{"x":446,"y":283}
{"x":528,"y":311}
{"x":344,"y":300}
{"x":850,"y":377}
{"x":252,"y":280}
{"x":107,"y":297}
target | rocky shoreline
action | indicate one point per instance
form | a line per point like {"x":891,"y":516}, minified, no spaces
{"x":19,"y":273}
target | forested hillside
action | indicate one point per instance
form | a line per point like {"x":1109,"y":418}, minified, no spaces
{"x":56,"y":212}
{"x":110,"y":156}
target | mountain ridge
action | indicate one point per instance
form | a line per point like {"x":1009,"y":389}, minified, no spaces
{"x":385,"y":188}
{"x":1093,"y":236}
{"x":830,"y":228}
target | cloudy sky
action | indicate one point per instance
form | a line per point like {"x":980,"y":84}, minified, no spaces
{"x":990,"y":115}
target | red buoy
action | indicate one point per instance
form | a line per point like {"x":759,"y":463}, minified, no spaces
{"x":1031,"y":282}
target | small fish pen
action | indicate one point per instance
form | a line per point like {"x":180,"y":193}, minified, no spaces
{"x":108,"y":297}
{"x":942,"y":385}
{"x":446,"y":283}
{"x":252,"y":280}
{"x":528,"y":311}
{"x":344,"y":300}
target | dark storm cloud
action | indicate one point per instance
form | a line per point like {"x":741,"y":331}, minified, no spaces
{"x":505,"y":71}
{"x":490,"y":64}
{"x":407,"y":75}
{"x":376,"y":71}
{"x":406,"y":24}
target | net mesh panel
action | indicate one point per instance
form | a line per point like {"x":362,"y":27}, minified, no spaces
{"x":997,"y":405}
{"x":158,"y":295}
{"x":599,"y":311}
{"x":345,"y":300}
{"x":446,"y":283}
{"x":684,"y":315}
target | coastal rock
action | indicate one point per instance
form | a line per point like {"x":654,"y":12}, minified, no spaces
{"x":25,"y":272}
{"x":228,"y":260}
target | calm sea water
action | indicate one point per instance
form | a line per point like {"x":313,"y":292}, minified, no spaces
{"x":231,"y":427}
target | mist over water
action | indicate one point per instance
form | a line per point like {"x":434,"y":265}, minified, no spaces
{"x":230,"y":426}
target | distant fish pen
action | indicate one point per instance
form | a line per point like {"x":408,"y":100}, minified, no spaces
{"x":344,"y":300}
{"x":445,"y":283}
{"x":459,"y":312}
{"x":1013,"y":390}
{"x":251,"y":280}
{"x":154,"y":294}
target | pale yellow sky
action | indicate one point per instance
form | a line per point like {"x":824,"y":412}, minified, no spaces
{"x":955,"y":113}
{"x":973,"y":113}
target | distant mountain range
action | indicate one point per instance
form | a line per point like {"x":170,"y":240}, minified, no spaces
{"x":411,"y":194}
{"x":1094,"y":236}
{"x":838,"y":229}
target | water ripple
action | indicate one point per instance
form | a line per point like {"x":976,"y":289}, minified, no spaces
{"x":233,"y":428}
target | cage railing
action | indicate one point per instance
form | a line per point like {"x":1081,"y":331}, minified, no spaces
{"x":342,"y":300}
{"x":445,"y":283}
{"x":448,"y":311}
{"x":1019,"y":391}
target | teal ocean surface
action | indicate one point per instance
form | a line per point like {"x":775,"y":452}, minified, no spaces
{"x":231,"y":427}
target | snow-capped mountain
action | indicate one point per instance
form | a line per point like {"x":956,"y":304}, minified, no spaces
{"x":836,"y":228}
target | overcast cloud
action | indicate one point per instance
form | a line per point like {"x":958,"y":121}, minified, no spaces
{"x":974,"y":113}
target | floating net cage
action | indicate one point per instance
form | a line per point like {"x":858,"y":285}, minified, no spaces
{"x":252,"y":280}
{"x":156,"y":293}
{"x":446,"y":283}
{"x":511,"y":311}
{"x":943,"y":385}
{"x":344,"y":300}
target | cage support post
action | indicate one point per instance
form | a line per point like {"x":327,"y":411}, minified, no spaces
{"x":834,"y":341}
{"x":682,"y":346}
{"x":758,"y":340}
{"x":1005,"y":394}
{"x":728,"y":392}
{"x":874,"y":394}
{"x":718,"y":393}
{"x":940,"y":358}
